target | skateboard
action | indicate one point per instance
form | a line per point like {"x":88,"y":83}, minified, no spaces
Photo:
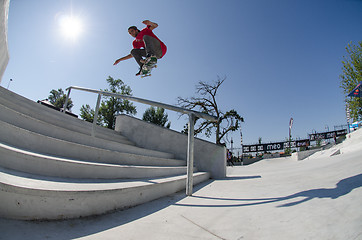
{"x":150,"y":63}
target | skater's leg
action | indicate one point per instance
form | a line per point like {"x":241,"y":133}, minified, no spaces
{"x":138,"y":54}
{"x":153,"y":46}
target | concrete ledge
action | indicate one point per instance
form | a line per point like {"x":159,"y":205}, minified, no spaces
{"x":24,"y":161}
{"x":297,"y":156}
{"x":28,"y":199}
{"x":208,"y":157}
{"x":335,"y":153}
{"x":34,"y":142}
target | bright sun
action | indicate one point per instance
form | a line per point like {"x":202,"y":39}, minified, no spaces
{"x":71,"y":27}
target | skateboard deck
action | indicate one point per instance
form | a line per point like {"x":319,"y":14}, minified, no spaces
{"x":150,"y":63}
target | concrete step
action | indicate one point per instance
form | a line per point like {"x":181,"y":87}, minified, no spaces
{"x":26,"y":122}
{"x":29,"y":162}
{"x":28,"y":198}
{"x":54,"y":166}
{"x":40,"y":112}
{"x":34,"y":142}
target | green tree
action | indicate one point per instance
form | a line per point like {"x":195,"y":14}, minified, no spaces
{"x":57,"y":98}
{"x":206,"y":103}
{"x":352,"y":75}
{"x":156,"y":116}
{"x":87,"y":114}
{"x":111,"y":106}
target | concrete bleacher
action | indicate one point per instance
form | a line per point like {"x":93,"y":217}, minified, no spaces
{"x":52,"y":168}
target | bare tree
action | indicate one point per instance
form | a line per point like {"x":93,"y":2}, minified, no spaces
{"x":206,"y":102}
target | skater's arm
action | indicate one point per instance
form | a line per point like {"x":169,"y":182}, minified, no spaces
{"x":151,"y":24}
{"x":122,"y":59}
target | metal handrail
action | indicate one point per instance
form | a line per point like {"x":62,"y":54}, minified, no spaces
{"x":144,"y":101}
{"x":192,"y":114}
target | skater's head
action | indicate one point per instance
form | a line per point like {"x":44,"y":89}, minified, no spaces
{"x":133,"y":31}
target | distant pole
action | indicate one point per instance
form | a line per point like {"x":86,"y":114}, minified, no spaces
{"x":348,"y":116}
{"x":241,"y":143}
{"x":9,"y":83}
{"x":327,"y":128}
{"x":290,"y":133}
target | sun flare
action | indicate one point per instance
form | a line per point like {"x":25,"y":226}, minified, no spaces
{"x":71,"y":27}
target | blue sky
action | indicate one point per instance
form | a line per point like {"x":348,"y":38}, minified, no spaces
{"x":281,"y":58}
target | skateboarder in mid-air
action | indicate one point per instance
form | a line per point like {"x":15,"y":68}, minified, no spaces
{"x":146,"y":45}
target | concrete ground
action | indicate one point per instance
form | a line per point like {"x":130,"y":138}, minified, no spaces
{"x":317,"y":198}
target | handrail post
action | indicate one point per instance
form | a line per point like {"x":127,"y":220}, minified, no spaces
{"x":96,"y":114}
{"x":66,"y":101}
{"x":190,"y":155}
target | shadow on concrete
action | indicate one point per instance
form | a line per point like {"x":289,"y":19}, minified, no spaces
{"x":77,"y":228}
{"x":342,"y":188}
{"x":240,"y":178}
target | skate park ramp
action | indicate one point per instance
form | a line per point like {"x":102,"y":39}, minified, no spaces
{"x":317,"y":198}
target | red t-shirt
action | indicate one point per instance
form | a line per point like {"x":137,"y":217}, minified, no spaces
{"x":139,"y":43}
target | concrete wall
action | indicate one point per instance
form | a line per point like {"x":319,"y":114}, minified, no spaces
{"x":248,"y":161}
{"x":297,"y":156}
{"x":4,"y":55}
{"x":207,"y":156}
{"x":271,"y":155}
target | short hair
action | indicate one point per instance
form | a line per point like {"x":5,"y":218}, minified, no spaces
{"x":133,"y":27}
